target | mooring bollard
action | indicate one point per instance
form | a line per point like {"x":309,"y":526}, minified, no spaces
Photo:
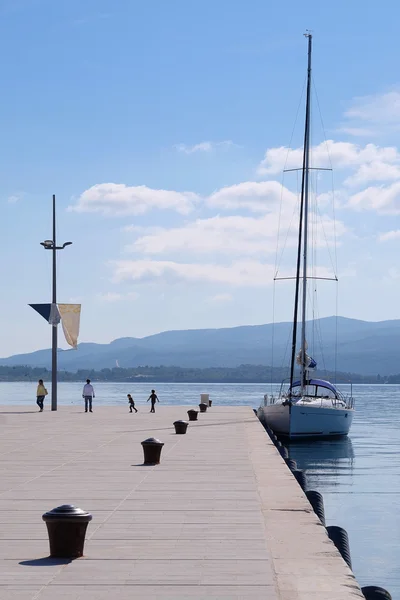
{"x":192,"y":414}
{"x":203,"y":407}
{"x":66,"y":526}
{"x":180,"y":426}
{"x":210,"y":403}
{"x":152,"y":451}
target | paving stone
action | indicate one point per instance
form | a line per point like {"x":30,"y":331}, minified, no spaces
{"x":221,"y":517}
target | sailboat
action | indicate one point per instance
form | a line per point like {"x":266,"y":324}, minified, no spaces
{"x":307,"y":407}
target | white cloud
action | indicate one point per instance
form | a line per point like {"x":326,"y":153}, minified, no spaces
{"x":238,"y":274}
{"x":374,"y":171}
{"x":369,"y":163}
{"x":119,"y":199}
{"x":14,"y":198}
{"x":241,"y":273}
{"x":389,"y":236}
{"x":382,"y":199}
{"x":263,"y":196}
{"x":220,"y":299}
{"x":203,"y":146}
{"x":356,"y":131}
{"x":378,"y":108}
{"x":338,"y":155}
{"x":228,"y":235}
{"x":231,"y":235}
{"x":373,"y":115}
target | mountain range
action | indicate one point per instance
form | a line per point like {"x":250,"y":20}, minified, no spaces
{"x":337,"y":343}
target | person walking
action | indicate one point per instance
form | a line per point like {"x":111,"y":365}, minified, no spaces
{"x":132,"y":406}
{"x":41,"y":393}
{"x":88,"y":395}
{"x":153,"y":397}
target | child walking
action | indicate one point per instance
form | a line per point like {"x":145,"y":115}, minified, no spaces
{"x":153,"y":397}
{"x":131,"y":404}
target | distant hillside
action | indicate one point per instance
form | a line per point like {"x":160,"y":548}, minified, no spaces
{"x":151,"y":375}
{"x":362,"y":347}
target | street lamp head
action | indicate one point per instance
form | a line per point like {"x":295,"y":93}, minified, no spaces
{"x":66,"y":244}
{"x":47,"y":244}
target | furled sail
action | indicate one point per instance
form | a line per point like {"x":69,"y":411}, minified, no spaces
{"x":309,"y":363}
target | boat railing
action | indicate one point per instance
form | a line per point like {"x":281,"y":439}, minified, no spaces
{"x":339,"y":400}
{"x":283,"y":384}
{"x":348,"y":400}
{"x":268,"y":400}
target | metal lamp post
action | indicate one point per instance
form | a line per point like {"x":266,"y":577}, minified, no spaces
{"x":52,"y":245}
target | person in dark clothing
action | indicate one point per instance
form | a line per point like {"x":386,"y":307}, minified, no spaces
{"x":131,"y":404}
{"x":154,"y":399}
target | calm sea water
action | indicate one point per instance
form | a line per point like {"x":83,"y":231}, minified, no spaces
{"x":359,"y":477}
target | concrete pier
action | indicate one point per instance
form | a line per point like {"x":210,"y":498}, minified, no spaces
{"x":220,"y":518}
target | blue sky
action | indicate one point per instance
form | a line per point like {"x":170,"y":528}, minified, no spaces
{"x":158,"y":126}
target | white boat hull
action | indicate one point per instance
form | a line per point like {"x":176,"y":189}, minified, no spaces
{"x":304,"y":421}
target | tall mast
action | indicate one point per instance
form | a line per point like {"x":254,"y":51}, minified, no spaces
{"x":305,"y":224}
{"x":303,"y":213}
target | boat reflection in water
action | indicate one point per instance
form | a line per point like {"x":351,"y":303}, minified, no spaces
{"x":328,"y":463}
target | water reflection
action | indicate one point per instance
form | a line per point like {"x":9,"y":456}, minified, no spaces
{"x":321,"y":451}
{"x":327,"y":462}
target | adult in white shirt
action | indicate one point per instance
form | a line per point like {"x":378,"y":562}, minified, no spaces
{"x":88,"y":395}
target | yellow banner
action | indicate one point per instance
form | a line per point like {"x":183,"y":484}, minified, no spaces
{"x":70,"y":320}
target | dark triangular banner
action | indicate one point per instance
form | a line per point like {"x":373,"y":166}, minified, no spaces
{"x":43,"y":310}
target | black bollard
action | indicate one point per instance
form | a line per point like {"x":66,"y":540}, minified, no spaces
{"x":152,"y":451}
{"x":192,"y":414}
{"x":292,"y":464}
{"x":210,"y":403}
{"x":339,"y":537}
{"x":66,"y":526}
{"x":300,"y":478}
{"x":373,"y":592}
{"x":203,"y":407}
{"x":180,"y":426}
{"x":317,"y":502}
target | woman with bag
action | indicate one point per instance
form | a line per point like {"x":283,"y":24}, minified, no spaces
{"x":41,"y":393}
